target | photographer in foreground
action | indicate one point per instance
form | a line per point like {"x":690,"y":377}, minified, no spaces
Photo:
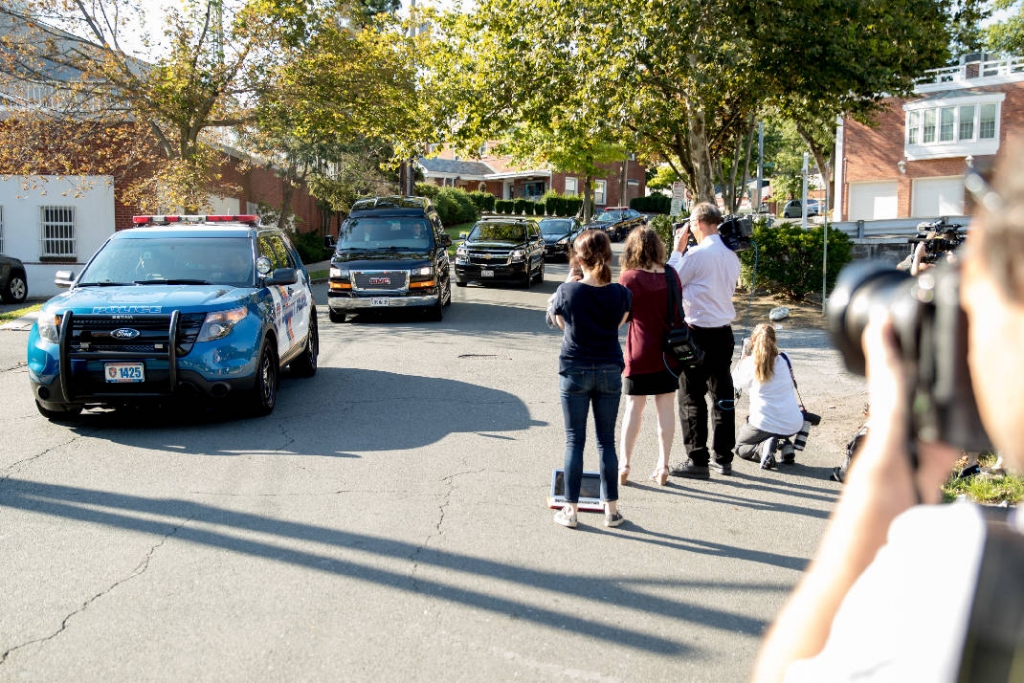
{"x":891,"y":592}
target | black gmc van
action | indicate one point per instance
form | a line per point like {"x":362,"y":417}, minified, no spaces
{"x":391,"y":251}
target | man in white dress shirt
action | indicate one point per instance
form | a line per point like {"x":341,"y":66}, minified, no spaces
{"x":709,"y":273}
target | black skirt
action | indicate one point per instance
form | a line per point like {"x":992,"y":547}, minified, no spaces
{"x":650,"y":384}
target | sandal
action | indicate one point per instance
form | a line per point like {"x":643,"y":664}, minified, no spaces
{"x":623,"y":475}
{"x":659,"y":476}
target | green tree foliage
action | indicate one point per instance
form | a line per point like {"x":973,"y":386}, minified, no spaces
{"x":454,"y":206}
{"x":788,"y":259}
{"x":1007,"y":35}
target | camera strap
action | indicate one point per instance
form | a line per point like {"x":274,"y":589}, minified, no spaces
{"x":793,"y":377}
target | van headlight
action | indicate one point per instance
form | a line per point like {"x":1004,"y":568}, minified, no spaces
{"x":218,"y":325}
{"x":48,"y":325}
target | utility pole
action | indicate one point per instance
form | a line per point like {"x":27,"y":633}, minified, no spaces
{"x":803,"y":199}
{"x":760,"y":164}
{"x":824,"y":258}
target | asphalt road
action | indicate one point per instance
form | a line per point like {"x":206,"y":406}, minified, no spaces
{"x":388,"y":522}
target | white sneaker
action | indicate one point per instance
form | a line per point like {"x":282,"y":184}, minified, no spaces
{"x":566,"y":517}
{"x":767,"y":449}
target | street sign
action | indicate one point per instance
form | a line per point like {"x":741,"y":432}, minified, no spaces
{"x":678,"y":190}
{"x":677,"y":207}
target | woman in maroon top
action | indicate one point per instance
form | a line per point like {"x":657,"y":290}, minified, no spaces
{"x":643,"y":273}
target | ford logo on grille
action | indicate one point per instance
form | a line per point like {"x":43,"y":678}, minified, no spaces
{"x":380,"y":281}
{"x":125,"y":333}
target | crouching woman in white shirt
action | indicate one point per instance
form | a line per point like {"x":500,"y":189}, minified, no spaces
{"x":775,"y":414}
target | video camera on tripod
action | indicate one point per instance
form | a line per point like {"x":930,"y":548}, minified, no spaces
{"x":939,"y":237}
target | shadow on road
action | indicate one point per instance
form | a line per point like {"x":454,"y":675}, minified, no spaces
{"x":210,"y":526}
{"x":334,"y":413}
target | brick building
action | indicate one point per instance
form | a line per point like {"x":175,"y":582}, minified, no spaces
{"x":911,"y":163}
{"x":499,"y":176}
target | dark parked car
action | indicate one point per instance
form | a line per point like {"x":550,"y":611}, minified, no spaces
{"x":501,"y":250}
{"x":391,"y":252}
{"x":792,"y":208}
{"x":617,"y":222}
{"x":13,"y":284}
{"x":558,"y":234}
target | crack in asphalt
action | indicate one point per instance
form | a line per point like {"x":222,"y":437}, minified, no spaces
{"x":8,"y":470}
{"x":442,"y":509}
{"x":139,"y":570}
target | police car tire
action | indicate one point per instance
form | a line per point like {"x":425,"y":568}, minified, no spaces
{"x":305,"y":365}
{"x":263,"y":396}
{"x":64,"y":415}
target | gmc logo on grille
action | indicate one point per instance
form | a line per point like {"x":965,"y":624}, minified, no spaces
{"x":380,"y":281}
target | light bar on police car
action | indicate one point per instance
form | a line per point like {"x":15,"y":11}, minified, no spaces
{"x":252,"y":219}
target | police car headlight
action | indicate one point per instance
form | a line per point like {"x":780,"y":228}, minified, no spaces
{"x":49,"y":327}
{"x":518,"y":255}
{"x":218,"y":325}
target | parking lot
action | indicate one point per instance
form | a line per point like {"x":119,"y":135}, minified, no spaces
{"x":388,"y":522}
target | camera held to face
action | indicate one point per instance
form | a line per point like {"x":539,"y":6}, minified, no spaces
{"x":736,"y":232}
{"x":939,"y":238}
{"x":931,"y":329}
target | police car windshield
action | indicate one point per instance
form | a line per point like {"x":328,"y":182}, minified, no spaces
{"x":609,"y":216}
{"x":397,"y":233}
{"x":208,"y":260}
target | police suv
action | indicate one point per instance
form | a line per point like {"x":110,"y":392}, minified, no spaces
{"x":211,"y":306}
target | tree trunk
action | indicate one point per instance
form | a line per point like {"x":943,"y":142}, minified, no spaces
{"x":588,"y":198}
{"x":700,"y":155}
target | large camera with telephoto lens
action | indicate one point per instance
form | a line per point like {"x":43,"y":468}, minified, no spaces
{"x":939,"y":237}
{"x":736,"y":232}
{"x":931,"y":329}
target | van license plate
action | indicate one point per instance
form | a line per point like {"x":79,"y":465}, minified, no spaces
{"x":120,"y":373}
{"x":380,"y":301}
{"x":486,"y":273}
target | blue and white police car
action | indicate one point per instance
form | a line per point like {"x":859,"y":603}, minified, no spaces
{"x":212,"y":306}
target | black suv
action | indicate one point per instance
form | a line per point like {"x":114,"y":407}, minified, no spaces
{"x":617,"y":222}
{"x":13,"y":285}
{"x":391,"y":252}
{"x":501,"y":249}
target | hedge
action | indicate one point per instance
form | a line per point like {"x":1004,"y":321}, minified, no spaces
{"x":503,"y":206}
{"x":788,"y":259}
{"x":310,"y":246}
{"x":455,"y":206}
{"x":484,"y":201}
{"x":655,"y":203}
{"x":427,"y":190}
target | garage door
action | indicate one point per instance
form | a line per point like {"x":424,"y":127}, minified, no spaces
{"x":872,"y":201}
{"x":934,"y":197}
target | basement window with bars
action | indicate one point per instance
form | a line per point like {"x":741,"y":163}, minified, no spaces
{"x":57,"y":236}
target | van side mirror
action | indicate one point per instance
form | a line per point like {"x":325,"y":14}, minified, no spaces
{"x":330,"y":242}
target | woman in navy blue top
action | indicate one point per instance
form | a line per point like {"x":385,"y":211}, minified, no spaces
{"x":590,"y":366}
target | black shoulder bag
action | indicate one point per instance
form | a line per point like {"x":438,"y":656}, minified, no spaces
{"x":679,"y":342}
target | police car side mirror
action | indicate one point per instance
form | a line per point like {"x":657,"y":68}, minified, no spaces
{"x":282,"y":276}
{"x":64,"y":278}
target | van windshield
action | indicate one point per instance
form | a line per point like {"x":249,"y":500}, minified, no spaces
{"x":377,"y":232}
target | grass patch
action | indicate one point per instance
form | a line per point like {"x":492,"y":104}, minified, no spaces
{"x":453,"y":232}
{"x":992,"y":486}
{"x":319,"y":274}
{"x":6,"y":317}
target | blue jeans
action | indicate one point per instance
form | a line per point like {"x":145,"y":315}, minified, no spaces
{"x":581,"y":386}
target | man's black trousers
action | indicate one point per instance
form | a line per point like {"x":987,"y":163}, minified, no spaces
{"x":712,"y":377}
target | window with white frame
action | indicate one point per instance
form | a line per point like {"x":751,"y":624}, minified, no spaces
{"x":953,"y":126}
{"x":57,"y":232}
{"x":600,"y":192}
{"x":571,"y":187}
